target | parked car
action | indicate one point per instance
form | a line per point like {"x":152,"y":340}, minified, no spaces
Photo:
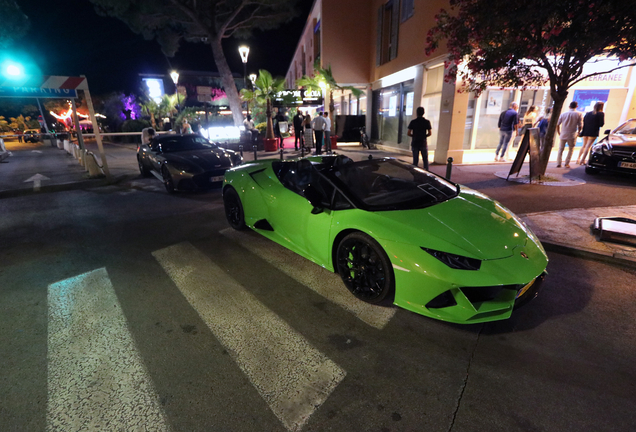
{"x":32,"y":135}
{"x":393,"y":231}
{"x":186,"y":162}
{"x":616,"y":152}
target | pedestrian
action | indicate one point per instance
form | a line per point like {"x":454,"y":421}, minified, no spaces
{"x":298,"y":129}
{"x":568,"y":127}
{"x":318,"y":125}
{"x":280,"y":127}
{"x":248,"y":123}
{"x":507,"y":125}
{"x":542,"y":124}
{"x":419,"y":129}
{"x":186,"y":129}
{"x":529,"y":119}
{"x":309,"y":136}
{"x":327,"y":136}
{"x":592,"y":123}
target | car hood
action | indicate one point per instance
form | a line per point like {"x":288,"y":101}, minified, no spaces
{"x":470,"y":224}
{"x":623,"y":141}
{"x":204,"y":159}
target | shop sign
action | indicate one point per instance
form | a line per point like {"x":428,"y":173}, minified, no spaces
{"x":292,"y":97}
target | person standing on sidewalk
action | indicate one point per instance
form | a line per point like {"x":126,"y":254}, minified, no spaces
{"x":327,"y":136}
{"x":309,"y":136}
{"x":568,"y":127}
{"x":419,"y":129}
{"x":592,"y":124}
{"x":508,"y":123}
{"x":318,"y":125}
{"x":298,"y":129}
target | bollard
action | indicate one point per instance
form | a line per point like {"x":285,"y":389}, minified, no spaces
{"x":255,"y":148}
{"x":94,"y":170}
{"x":281,"y":154}
{"x":302,"y":151}
{"x":241,"y":150}
{"x":449,"y":168}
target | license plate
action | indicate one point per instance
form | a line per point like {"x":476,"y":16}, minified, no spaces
{"x":524,"y":289}
{"x":216,"y":179}
{"x":630,"y":165}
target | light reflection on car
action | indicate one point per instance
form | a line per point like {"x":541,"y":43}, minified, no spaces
{"x":616,"y":152}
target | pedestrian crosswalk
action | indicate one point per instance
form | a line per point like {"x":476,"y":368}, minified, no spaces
{"x":96,"y":375}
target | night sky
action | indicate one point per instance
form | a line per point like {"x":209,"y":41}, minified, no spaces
{"x":67,"y":37}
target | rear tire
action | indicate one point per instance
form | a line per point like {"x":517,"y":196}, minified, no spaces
{"x":233,"y":209}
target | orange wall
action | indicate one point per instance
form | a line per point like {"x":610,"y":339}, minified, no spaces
{"x":347,"y":35}
{"x":411,"y":40}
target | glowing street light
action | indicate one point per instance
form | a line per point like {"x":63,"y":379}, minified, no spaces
{"x":12,"y":70}
{"x":175,"y":77}
{"x":244,"y":51}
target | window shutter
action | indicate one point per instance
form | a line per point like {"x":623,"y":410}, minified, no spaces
{"x":395,"y":24}
{"x":378,"y":50}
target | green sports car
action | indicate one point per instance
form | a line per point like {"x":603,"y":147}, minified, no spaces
{"x":393,"y":232}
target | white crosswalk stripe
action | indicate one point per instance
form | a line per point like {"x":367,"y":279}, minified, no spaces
{"x":292,"y":376}
{"x":96,"y":377}
{"x":327,"y":284}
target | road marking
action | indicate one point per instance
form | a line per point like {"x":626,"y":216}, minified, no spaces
{"x":96,"y":377}
{"x":322,"y":281}
{"x":292,"y":376}
{"x":37,"y":181}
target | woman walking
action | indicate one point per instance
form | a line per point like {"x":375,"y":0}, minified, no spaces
{"x":592,"y":123}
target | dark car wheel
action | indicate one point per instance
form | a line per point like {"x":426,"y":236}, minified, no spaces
{"x":233,"y":209}
{"x":590,"y":170}
{"x":167,"y":180}
{"x":145,"y":172}
{"x":364,"y":268}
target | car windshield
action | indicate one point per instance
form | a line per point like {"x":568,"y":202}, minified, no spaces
{"x":628,"y":128}
{"x":185,"y":143}
{"x":388,"y":184}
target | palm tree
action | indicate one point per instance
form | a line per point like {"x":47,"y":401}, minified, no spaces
{"x":265,"y":89}
{"x":324,"y":79}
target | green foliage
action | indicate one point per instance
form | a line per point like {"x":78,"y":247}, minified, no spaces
{"x":262,"y":128}
{"x":4,"y":125}
{"x":15,"y":23}
{"x":265,"y":89}
{"x":134,"y":125}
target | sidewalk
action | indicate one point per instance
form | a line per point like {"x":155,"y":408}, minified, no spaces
{"x":564,"y":231}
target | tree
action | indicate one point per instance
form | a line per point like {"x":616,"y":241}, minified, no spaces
{"x":265,"y":89}
{"x":521,"y":44}
{"x":14,"y":23}
{"x":208,"y":21}
{"x":324,"y":78}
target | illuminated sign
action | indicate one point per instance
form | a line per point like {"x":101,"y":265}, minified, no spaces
{"x":37,"y":92}
{"x":155,"y":88}
{"x":293,"y":97}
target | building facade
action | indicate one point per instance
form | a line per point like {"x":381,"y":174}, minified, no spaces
{"x":378,"y":46}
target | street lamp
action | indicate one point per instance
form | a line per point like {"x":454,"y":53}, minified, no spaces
{"x":244,"y":51}
{"x":253,"y":79}
{"x":175,"y":77}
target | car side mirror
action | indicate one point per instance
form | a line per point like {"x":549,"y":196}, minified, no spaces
{"x":608,"y":131}
{"x":315,"y":199}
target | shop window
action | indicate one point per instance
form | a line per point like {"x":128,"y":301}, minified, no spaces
{"x":387,"y":32}
{"x":407,"y":9}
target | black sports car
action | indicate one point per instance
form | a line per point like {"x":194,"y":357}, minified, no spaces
{"x":616,"y":152}
{"x":186,"y":162}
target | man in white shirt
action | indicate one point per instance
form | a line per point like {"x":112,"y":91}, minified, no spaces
{"x":318,"y":125}
{"x":327,"y":132}
{"x":569,"y":126}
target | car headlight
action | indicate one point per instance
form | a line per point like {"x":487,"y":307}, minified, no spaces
{"x":183,"y":167}
{"x":602,"y":148}
{"x":453,"y":261}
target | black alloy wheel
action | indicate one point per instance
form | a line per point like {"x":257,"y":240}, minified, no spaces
{"x":364,"y":268}
{"x":233,"y":209}
{"x":145,"y":172}
{"x":167,"y":180}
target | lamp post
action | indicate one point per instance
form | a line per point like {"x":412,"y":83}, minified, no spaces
{"x":175,"y":77}
{"x":244,"y":51}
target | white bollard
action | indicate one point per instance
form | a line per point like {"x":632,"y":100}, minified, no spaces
{"x":94,"y":171}
{"x":59,"y":144}
{"x":67,"y":147}
{"x":64,"y":144}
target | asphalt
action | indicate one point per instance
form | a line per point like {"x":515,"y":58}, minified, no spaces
{"x":564,"y":231}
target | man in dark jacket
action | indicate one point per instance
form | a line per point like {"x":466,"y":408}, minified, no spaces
{"x":508,"y":121}
{"x":419,"y":129}
{"x":298,"y":129}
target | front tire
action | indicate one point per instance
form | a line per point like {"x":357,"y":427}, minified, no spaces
{"x":365,"y":268}
{"x":168,"y":182}
{"x":233,"y":209}
{"x":145,"y":172}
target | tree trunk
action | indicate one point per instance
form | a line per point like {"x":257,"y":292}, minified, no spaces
{"x":228,"y":81}
{"x":559,"y":99}
{"x":269,"y":133}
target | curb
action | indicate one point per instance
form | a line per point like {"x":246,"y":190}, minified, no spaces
{"x":591,"y":254}
{"x":83,"y":184}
